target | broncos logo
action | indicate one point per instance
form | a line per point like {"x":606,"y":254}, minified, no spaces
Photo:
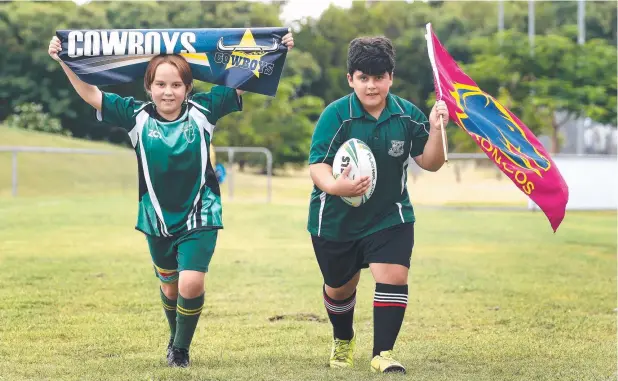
{"x":483,"y":116}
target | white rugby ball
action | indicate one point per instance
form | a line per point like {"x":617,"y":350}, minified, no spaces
{"x":358,"y":155}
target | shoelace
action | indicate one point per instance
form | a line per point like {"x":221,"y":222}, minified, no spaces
{"x":388,"y":356}
{"x":341,"y":348}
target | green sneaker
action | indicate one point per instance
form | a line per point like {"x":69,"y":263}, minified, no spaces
{"x":384,"y":363}
{"x":342,"y":354}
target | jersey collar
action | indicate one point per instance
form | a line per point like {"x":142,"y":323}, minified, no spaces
{"x":160,"y":119}
{"x":357,"y":110}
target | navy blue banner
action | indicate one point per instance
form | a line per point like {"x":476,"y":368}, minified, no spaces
{"x":249,"y":59}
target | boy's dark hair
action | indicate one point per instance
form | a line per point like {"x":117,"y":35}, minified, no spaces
{"x":371,"y":55}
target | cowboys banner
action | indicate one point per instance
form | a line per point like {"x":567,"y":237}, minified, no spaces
{"x":248,"y":59}
{"x":499,"y":133}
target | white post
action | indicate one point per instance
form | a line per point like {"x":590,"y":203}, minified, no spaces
{"x":581,"y":39}
{"x":230,"y":181}
{"x":500,"y":16}
{"x":531,"y":25}
{"x":14,"y":174}
{"x":269,"y":166}
{"x":581,"y":22}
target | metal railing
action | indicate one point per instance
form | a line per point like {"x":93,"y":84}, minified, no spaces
{"x":230,"y":159}
{"x":58,"y":150}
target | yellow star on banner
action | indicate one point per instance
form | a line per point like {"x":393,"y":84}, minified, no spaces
{"x":246,"y":42}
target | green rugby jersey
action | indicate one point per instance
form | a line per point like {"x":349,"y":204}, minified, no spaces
{"x":399,"y":134}
{"x":178,"y":188}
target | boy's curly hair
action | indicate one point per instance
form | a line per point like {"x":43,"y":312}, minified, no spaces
{"x":371,"y":55}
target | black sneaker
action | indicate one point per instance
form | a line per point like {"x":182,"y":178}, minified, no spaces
{"x":178,"y":357}
{"x":169,"y":347}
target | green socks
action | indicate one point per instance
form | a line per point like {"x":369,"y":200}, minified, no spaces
{"x":187,"y":314}
{"x":169,"y":306}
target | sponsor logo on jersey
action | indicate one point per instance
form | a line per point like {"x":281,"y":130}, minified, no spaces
{"x":154,"y":134}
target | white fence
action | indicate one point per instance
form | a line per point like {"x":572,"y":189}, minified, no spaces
{"x":15,"y":150}
{"x":469,"y":180}
{"x":472,"y":180}
{"x":592,"y":181}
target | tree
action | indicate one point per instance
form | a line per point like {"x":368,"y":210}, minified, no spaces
{"x":283,"y":124}
{"x":302,"y":64}
{"x":560,"y":76}
{"x":30,"y":116}
{"x":467,"y":29}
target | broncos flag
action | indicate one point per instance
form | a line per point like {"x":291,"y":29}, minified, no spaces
{"x":499,"y":133}
{"x":249,"y":59}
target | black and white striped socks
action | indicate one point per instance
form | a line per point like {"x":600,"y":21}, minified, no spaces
{"x":389,"y":307}
{"x":341,"y":315}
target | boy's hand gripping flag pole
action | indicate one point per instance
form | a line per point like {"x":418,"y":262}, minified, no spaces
{"x":499,"y":133}
{"x":438,"y":88}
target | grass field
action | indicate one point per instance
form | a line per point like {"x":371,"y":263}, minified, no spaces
{"x":493,"y":295}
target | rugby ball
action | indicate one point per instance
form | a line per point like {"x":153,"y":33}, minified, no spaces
{"x":356,"y":154}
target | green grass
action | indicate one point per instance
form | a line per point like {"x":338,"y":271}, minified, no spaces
{"x":493,"y":295}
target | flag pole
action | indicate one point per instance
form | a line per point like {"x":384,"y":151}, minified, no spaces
{"x":443,"y":139}
{"x":436,"y":76}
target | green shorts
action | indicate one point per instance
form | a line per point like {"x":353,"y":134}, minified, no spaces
{"x":191,"y":251}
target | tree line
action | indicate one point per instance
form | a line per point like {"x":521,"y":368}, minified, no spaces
{"x":534,"y":82}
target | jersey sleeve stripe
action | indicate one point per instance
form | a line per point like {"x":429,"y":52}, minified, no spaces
{"x":199,"y":106}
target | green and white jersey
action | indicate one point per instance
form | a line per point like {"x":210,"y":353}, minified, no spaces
{"x":178,"y":188}
{"x":399,"y":134}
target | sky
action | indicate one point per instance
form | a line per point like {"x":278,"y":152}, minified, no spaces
{"x":296,"y":9}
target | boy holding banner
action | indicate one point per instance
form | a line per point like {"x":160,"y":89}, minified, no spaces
{"x":179,"y":200}
{"x":379,"y":234}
